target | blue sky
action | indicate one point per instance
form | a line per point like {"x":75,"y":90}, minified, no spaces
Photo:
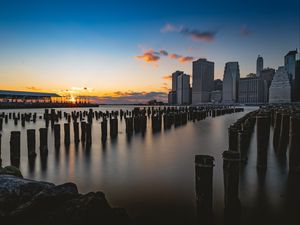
{"x":105,"y":46}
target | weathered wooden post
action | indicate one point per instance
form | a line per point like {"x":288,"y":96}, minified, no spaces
{"x":67,"y":134}
{"x":104,"y":130}
{"x":1,"y":123}
{"x":231,"y":161}
{"x":277,"y":128}
{"x":88,"y":134}
{"x":31,"y":143}
{"x":262,"y":136}
{"x":83,"y":131}
{"x":284,"y":135}
{"x":204,"y":188}
{"x":113,"y":128}
{"x":76,"y":132}
{"x":57,"y":135}
{"x":129,"y":125}
{"x":294,"y":153}
{"x":43,"y":141}
{"x":0,"y":150}
{"x":233,"y":138}
{"x":15,"y":140}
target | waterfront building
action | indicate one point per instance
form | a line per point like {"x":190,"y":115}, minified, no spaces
{"x":290,"y":66}
{"x":183,"y":89}
{"x":231,"y":82}
{"x":216,"y":96}
{"x":175,"y":75}
{"x":172,"y":98}
{"x":280,"y":89}
{"x":252,"y":90}
{"x":259,"y":65}
{"x":297,"y":79}
{"x":203,"y":81}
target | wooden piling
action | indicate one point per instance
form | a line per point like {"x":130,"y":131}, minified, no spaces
{"x":67,"y":134}
{"x":76,"y":132}
{"x":294,"y":152}
{"x":204,"y":188}
{"x":231,"y":161}
{"x":31,"y":143}
{"x":15,"y":147}
{"x":43,"y":141}
{"x":57,"y":135}
{"x":262,"y":136}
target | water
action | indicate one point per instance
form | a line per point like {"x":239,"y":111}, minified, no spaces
{"x":152,"y":175}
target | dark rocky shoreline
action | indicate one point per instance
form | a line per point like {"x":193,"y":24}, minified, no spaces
{"x":30,"y":202}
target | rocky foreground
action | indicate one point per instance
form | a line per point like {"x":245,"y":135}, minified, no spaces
{"x":29,"y":202}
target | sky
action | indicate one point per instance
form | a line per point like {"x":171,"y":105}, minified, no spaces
{"x":121,"y":51}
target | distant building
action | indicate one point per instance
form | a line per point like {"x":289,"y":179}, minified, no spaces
{"x":218,"y":85}
{"x":175,"y":75}
{"x":280,"y":89}
{"x":183,"y":89}
{"x":231,"y":82}
{"x":290,"y":66}
{"x":251,"y":75}
{"x":252,"y":90}
{"x":297,"y":79}
{"x":172,"y":98}
{"x":203,"y":81}
{"x":216,"y":96}
{"x":259,"y":65}
{"x":267,"y":75}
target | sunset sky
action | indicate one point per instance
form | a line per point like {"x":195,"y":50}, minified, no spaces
{"x":123,"y":51}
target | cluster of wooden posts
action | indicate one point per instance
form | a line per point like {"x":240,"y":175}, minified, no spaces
{"x":286,"y":134}
{"x":135,"y":121}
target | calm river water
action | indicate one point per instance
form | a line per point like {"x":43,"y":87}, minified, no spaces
{"x":153,"y":176}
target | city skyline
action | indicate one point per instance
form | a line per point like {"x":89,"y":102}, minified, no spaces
{"x":127,"y":56}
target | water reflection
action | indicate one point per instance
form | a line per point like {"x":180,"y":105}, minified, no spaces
{"x":152,"y":174}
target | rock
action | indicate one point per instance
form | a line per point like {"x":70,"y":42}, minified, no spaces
{"x":29,"y":202}
{"x":15,"y":191}
{"x":10,"y":170}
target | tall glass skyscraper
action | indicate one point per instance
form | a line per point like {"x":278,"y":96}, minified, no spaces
{"x":231,"y":82}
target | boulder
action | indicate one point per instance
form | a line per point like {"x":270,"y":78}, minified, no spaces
{"x":29,"y":202}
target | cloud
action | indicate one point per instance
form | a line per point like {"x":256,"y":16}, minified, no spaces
{"x":128,"y":97}
{"x":197,"y":35}
{"x":32,"y":88}
{"x":184,"y":59}
{"x":180,"y":58}
{"x":149,"y":56}
{"x":245,"y":31}
{"x":169,"y":27}
{"x":163,"y":52}
{"x":167,"y":77}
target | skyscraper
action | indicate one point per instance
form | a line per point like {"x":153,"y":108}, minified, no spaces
{"x":183,"y":89}
{"x":173,"y":93}
{"x":290,"y":66}
{"x":203,"y":80}
{"x":231,"y":82}
{"x":297,"y":79}
{"x":280,"y":89}
{"x":259,"y":65}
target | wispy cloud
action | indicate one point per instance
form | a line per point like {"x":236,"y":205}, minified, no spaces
{"x":195,"y":34}
{"x":198,"y":35}
{"x":245,"y":31}
{"x":169,"y":27}
{"x":33,"y":88}
{"x":167,"y":77}
{"x":151,"y":56}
